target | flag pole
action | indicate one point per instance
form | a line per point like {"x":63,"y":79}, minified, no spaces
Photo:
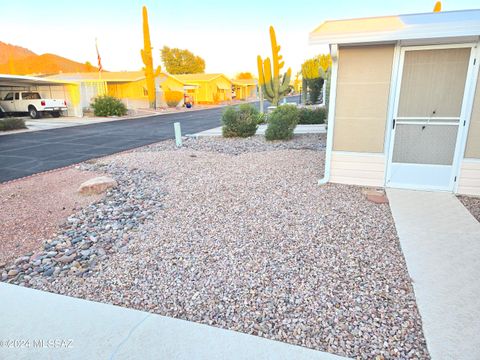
{"x":99,"y":61}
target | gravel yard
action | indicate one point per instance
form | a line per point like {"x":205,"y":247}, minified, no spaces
{"x":472,"y":204}
{"x":237,"y":234}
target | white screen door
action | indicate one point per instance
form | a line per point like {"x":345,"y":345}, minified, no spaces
{"x":427,"y":117}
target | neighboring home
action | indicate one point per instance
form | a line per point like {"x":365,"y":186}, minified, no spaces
{"x":129,"y":86}
{"x":404,"y":101}
{"x":245,"y":88}
{"x":207,"y":88}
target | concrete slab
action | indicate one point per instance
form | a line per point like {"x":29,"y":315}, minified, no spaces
{"x":40,"y":325}
{"x":441,"y":243}
{"x":299,"y":129}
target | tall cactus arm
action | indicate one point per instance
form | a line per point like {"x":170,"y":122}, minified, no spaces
{"x":275,"y":53}
{"x":285,"y":82}
{"x":261,"y":77}
{"x":270,"y":88}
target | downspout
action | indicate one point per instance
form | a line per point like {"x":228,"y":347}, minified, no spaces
{"x":331,"y":114}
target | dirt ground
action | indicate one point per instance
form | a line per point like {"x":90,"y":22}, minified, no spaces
{"x":32,"y":208}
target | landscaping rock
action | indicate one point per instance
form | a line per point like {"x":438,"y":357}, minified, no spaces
{"x":376,"y":196}
{"x":67,"y":259}
{"x":97,"y":185}
{"x":12,"y":273}
{"x":243,"y":238}
{"x":377,"y":199}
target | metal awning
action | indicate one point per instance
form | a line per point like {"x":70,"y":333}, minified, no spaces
{"x":176,"y":88}
{"x":19,"y":80}
{"x":434,"y":25}
{"x":224,"y":87}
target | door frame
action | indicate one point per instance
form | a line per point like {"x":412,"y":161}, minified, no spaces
{"x":462,"y":124}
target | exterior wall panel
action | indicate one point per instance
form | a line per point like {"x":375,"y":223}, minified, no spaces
{"x":363,"y":87}
{"x":358,"y":169}
{"x":469,"y":179}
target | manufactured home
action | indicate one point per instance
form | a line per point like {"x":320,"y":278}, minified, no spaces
{"x":129,"y":86}
{"x":245,"y":89}
{"x":404,"y":106}
{"x":207,"y":88}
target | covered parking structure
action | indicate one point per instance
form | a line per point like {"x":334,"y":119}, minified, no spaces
{"x":48,"y":88}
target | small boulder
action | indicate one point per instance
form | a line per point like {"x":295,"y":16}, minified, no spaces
{"x":97,"y":185}
{"x":65,"y":259}
{"x":376,"y":196}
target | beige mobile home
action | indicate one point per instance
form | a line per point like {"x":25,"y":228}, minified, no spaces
{"x":404,"y":101}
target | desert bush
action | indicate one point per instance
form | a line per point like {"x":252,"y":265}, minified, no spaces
{"x":172,"y":98}
{"x":12,"y":124}
{"x":312,"y":116}
{"x":108,"y":106}
{"x":315,"y":87}
{"x":241,"y":122}
{"x":282,"y":122}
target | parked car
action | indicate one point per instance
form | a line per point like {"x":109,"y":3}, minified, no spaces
{"x":31,"y":103}
{"x":2,"y":112}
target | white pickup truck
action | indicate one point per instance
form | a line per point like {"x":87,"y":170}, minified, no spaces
{"x":31,"y":103}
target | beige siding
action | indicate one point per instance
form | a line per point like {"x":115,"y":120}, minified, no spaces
{"x":433,"y":82}
{"x":357,"y":169}
{"x":473,"y":140}
{"x":363,"y":87}
{"x":469,"y":179}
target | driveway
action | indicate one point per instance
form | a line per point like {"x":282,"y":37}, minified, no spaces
{"x":30,"y":153}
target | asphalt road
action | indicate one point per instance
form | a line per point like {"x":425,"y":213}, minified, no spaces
{"x":29,"y":153}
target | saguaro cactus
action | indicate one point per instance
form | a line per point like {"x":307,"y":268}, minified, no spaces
{"x":146,"y":53}
{"x":274,"y":86}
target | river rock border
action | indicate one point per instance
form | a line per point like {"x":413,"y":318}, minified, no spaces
{"x":90,"y":235}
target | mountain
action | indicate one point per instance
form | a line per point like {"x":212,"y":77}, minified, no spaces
{"x":21,"y":61}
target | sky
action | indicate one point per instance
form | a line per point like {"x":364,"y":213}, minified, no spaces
{"x":227,"y":34}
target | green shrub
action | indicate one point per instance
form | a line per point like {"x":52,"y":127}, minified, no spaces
{"x":282,"y":122}
{"x":108,"y":106}
{"x":241,"y":122}
{"x":12,"y":124}
{"x":312,"y":116}
{"x":315,"y":87}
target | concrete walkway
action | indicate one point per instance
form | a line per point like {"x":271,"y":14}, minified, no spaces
{"x":299,"y":129}
{"x":441,"y":243}
{"x":50,"y":326}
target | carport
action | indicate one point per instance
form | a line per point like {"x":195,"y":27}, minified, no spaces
{"x":54,"y":89}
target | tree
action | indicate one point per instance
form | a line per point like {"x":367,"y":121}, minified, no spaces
{"x":89,"y":66}
{"x":244,"y":76}
{"x":325,"y":61}
{"x":181,"y":61}
{"x":313,"y":72}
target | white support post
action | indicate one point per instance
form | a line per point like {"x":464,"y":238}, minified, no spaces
{"x":178,"y":134}
{"x":260,"y":94}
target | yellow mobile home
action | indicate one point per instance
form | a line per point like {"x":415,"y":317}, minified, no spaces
{"x":129,"y":86}
{"x":245,"y":88}
{"x":207,"y":88}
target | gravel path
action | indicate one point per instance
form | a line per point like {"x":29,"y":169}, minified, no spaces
{"x":32,"y":208}
{"x":472,"y":204}
{"x":243,"y":238}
